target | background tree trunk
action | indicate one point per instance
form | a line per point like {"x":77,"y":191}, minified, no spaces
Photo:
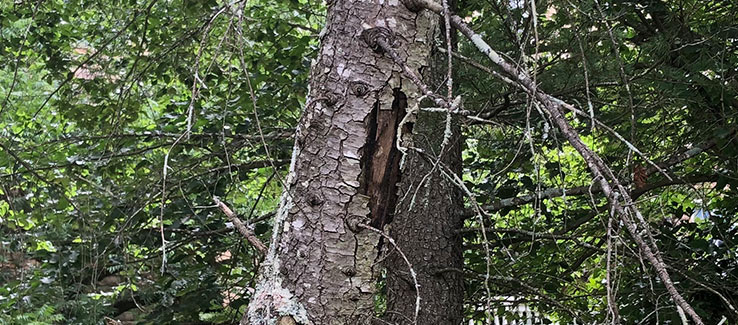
{"x":320,"y":267}
{"x":425,"y":219}
{"x":423,"y":228}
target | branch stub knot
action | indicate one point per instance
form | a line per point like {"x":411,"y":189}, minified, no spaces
{"x":353,"y":222}
{"x":348,"y":270}
{"x":331,"y":99}
{"x":359,"y":88}
{"x":371,"y":36}
{"x":315,"y":200}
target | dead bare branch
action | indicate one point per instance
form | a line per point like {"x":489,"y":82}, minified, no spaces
{"x":245,"y":231}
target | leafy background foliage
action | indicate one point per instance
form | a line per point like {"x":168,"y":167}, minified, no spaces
{"x":99,"y":103}
{"x":96,"y":97}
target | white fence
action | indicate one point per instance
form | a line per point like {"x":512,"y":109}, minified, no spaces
{"x":525,"y":315}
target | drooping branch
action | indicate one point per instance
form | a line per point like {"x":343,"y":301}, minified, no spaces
{"x":629,"y":214}
{"x":245,"y":231}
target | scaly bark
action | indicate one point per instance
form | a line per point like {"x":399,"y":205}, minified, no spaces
{"x":320,"y":266}
{"x":429,"y":212}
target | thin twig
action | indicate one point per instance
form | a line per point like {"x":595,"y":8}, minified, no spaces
{"x":409,"y":265}
{"x":165,"y":170}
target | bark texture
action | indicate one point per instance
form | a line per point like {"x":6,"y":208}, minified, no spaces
{"x":428,"y":212}
{"x":320,"y":266}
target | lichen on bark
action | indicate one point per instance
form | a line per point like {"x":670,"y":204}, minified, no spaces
{"x":320,"y":267}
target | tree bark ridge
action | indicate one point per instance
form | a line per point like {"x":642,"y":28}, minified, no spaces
{"x":320,"y":267}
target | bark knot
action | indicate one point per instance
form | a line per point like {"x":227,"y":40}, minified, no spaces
{"x":371,"y":36}
{"x":315,"y":200}
{"x":359,"y":88}
{"x":348,"y":270}
{"x":331,"y":99}
{"x":353,"y":222}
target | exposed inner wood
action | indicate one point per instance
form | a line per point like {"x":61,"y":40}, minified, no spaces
{"x":382,"y":169}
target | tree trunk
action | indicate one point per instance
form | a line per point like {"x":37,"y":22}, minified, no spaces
{"x":320,"y":267}
{"x":429,"y":211}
